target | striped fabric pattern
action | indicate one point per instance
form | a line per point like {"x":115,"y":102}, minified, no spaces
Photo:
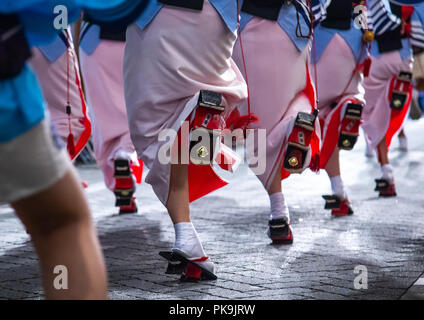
{"x":303,"y":7}
{"x":318,"y":11}
{"x":380,"y":18}
{"x":417,"y":31}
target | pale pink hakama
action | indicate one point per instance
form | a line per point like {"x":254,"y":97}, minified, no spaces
{"x":166,"y":65}
{"x":103,"y":77}
{"x":278,"y":77}
{"x":339,"y":83}
{"x":53,"y":78}
{"x":379,"y":119}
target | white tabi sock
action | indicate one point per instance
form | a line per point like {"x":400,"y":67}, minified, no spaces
{"x":279,"y":208}
{"x":337,"y":187}
{"x":187,"y":240}
{"x":122,"y":154}
{"x":387,"y":172}
{"x":369,"y":151}
{"x":403,"y":143}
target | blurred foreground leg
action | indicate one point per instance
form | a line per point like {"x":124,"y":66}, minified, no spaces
{"x":58,"y":220}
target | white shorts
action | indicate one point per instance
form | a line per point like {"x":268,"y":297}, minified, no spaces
{"x":30,"y":163}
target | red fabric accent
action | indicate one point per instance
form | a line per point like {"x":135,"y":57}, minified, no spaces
{"x":321,"y":123}
{"x":284,"y":174}
{"x":309,"y":92}
{"x":331,"y":138}
{"x":241,"y":122}
{"x":193,"y":271}
{"x":85,"y":136}
{"x":226,"y":162}
{"x":124,"y":183}
{"x":132,"y":207}
{"x":407,"y":12}
{"x":71,"y":146}
{"x":203,"y":113}
{"x":397,"y":117}
{"x":75,"y":149}
{"x":137,"y":171}
{"x":306,"y":134}
{"x":315,"y":163}
{"x":290,"y":236}
{"x":202,"y":180}
{"x":350,"y":126}
{"x":232,"y":119}
{"x":200,"y":259}
{"x":343,"y":210}
{"x":367,"y":67}
{"x":390,"y":191}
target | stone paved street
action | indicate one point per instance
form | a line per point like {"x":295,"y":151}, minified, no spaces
{"x":384,"y":235}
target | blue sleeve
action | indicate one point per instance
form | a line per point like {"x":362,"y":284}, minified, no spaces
{"x":56,"y":49}
{"x":22,"y":106}
{"x":37,"y":16}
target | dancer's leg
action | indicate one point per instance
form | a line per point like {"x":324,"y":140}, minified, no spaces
{"x":339,"y":194}
{"x":276,"y":183}
{"x":403,"y":141}
{"x":187,"y":241}
{"x":385,"y":185}
{"x":279,"y":229}
{"x":333,"y":164}
{"x":383,"y":153}
{"x":59,"y":222}
{"x":178,"y":204}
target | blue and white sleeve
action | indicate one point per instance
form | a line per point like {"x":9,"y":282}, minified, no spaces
{"x":380,"y":17}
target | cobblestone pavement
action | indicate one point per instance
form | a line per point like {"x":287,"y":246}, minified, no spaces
{"x":384,"y":235}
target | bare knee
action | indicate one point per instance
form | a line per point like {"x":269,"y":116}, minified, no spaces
{"x":57,"y":207}
{"x":45,"y":226}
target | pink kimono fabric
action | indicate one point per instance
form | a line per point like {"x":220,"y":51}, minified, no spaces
{"x":104,"y":85}
{"x":334,"y":72}
{"x":277,"y":74}
{"x":379,"y":119}
{"x":53,"y":81}
{"x":166,"y":65}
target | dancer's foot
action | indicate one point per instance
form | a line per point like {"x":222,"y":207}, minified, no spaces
{"x":386,"y":184}
{"x":131,"y":208}
{"x":125,"y":183}
{"x":280,"y":231}
{"x":339,"y":207}
{"x":188,"y":257}
{"x":385,"y":188}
